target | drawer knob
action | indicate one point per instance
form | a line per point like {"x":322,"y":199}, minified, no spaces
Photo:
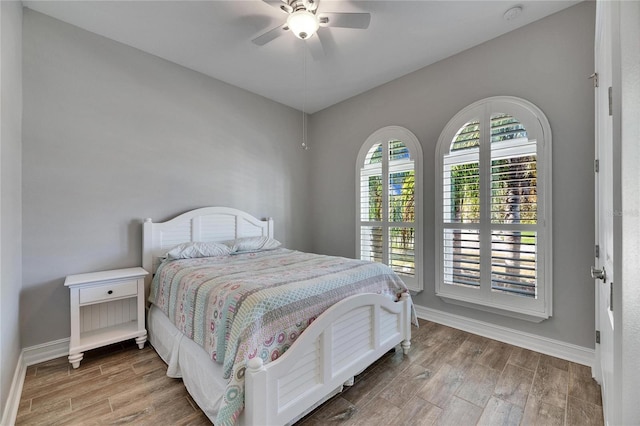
{"x":110,"y":292}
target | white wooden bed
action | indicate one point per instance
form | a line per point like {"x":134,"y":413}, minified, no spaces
{"x":321,"y":360}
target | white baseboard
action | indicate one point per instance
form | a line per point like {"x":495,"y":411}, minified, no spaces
{"x":556,"y":348}
{"x":13,"y":399}
{"x":29,"y":356}
{"x":46,"y":351}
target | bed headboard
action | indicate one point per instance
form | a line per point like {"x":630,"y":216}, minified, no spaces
{"x":207,"y":224}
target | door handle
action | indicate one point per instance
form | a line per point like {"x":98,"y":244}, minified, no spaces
{"x":599,"y":274}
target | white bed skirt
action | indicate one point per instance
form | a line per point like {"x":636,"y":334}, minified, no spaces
{"x":186,"y":360}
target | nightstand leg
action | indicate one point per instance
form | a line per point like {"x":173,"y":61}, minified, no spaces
{"x":75,"y":359}
{"x":140,"y":340}
{"x":406,"y":344}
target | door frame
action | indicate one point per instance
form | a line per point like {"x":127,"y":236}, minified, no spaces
{"x":606,"y":200}
{"x":626,"y":127}
{"x":625,"y":64}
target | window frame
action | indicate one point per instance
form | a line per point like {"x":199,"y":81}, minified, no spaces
{"x":538,"y":130}
{"x":383,"y":136}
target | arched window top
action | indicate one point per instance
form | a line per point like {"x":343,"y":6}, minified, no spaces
{"x":467,"y":137}
{"x":397,"y":151}
{"x":374,"y":156}
{"x":394,"y":143}
{"x":511,"y":119}
{"x":505,"y":127}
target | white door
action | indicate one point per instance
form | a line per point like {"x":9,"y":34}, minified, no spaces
{"x":603,"y":271}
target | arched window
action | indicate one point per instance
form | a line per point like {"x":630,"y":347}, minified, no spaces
{"x":389,"y":203}
{"x":493,"y":216}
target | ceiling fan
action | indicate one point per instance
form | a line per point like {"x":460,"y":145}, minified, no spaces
{"x":305,"y":20}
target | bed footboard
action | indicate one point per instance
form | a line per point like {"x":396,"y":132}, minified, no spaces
{"x":338,"y":345}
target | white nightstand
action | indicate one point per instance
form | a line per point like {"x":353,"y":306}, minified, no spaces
{"x":106,"y":307}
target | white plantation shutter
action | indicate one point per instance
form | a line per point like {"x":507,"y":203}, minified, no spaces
{"x":388,"y":226}
{"x":462,"y":257}
{"x":513,"y":207}
{"x":513,"y":263}
{"x":494,"y":191}
{"x":371,"y":243}
{"x":461,"y":208}
{"x":402,"y":258}
{"x":371,"y":237}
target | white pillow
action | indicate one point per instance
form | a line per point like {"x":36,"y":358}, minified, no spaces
{"x":249,"y":244}
{"x":198,"y":249}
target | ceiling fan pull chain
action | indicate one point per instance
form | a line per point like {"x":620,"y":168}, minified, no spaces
{"x":305,"y":146}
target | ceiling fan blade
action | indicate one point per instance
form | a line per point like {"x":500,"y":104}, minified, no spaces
{"x":314,"y":44}
{"x":272,"y":34}
{"x":310,"y":5}
{"x":345,"y":20}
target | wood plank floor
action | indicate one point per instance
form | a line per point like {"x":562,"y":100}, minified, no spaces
{"x":450,"y":377}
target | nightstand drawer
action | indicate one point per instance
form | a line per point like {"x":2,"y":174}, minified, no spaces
{"x":108,"y":291}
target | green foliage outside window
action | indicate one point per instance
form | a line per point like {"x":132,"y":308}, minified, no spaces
{"x":465,"y":193}
{"x":401,"y":210}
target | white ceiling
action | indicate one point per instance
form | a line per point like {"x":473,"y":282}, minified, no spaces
{"x":214,"y":38}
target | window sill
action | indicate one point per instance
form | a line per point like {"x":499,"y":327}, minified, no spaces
{"x":522,"y":314}
{"x":413,"y":287}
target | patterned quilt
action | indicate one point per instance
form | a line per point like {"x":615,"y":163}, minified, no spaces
{"x":256,"y":304}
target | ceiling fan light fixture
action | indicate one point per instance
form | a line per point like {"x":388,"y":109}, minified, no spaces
{"x":303,"y":24}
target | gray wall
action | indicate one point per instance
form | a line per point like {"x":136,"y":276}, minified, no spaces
{"x":113,"y":135}
{"x":10,"y":192}
{"x":547,"y":63}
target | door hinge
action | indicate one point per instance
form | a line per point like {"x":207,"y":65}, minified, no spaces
{"x":610,"y":100}
{"x":597,"y":251}
{"x":594,"y":76}
{"x":596,"y":165}
{"x":597,"y":336}
{"x":611,"y":296}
